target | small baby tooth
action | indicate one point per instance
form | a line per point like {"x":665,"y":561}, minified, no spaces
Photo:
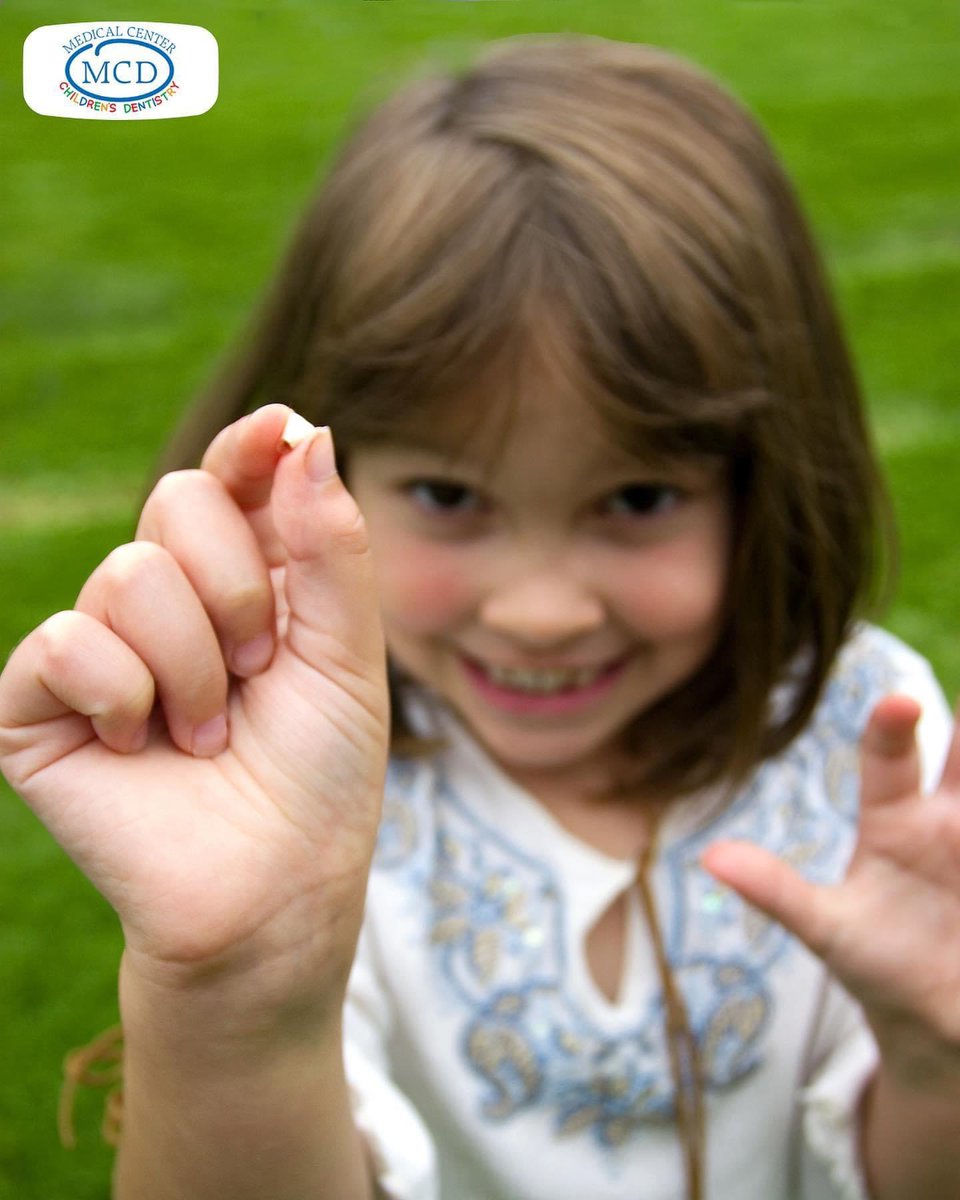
{"x":296,"y":430}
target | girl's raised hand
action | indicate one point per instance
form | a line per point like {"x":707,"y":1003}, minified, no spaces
{"x":890,"y":931}
{"x":206,"y":732}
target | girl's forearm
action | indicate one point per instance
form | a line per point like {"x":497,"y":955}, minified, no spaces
{"x":911,"y":1139}
{"x":223,"y":1103}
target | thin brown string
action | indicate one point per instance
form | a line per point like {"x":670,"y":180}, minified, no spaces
{"x":681,"y":1042}
{"x":96,"y":1065}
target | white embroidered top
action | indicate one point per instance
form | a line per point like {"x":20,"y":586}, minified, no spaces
{"x":485,"y":1063}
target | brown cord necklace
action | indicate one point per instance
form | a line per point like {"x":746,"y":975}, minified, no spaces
{"x":681,"y":1043}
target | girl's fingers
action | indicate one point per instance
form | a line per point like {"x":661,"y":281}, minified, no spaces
{"x":142,"y":594}
{"x":330,"y":587}
{"x":889,"y":758}
{"x":243,"y":457}
{"x":191,"y":515}
{"x":774,"y":887}
{"x":71,"y":664}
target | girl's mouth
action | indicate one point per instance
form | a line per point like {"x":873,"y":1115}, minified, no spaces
{"x":543,"y":691}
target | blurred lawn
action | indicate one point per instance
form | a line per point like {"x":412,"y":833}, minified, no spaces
{"x":131,"y":254}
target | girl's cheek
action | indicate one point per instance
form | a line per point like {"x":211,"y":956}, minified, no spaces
{"x":674,"y":589}
{"x":422,"y":588}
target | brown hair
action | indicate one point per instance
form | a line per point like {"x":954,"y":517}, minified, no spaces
{"x":623,"y":193}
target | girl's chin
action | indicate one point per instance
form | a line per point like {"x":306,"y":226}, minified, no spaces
{"x":547,"y":751}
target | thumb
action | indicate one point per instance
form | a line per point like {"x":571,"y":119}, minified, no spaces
{"x":334,"y":611}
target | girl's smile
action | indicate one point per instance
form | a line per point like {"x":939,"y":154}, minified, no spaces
{"x":543,"y":691}
{"x":555,"y":597}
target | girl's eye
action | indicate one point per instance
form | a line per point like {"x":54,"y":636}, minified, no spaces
{"x":644,"y":499}
{"x":439,"y":496}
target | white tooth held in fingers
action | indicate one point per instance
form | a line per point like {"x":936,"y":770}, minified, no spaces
{"x":296,"y":430}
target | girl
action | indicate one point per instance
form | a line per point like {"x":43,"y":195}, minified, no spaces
{"x":623,"y":934}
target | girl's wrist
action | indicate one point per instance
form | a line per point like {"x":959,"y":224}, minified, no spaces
{"x":227,"y":1093}
{"x":910,"y":1134}
{"x":265,"y":1003}
{"x":919,"y":1062}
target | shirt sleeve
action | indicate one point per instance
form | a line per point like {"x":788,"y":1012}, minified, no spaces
{"x":831,"y":1166}
{"x":400,"y":1146}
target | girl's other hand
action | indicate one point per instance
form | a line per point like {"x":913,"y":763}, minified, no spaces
{"x":890,"y":931}
{"x":206,"y":732}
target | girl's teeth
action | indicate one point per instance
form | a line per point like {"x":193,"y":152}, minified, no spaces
{"x":542,"y":681}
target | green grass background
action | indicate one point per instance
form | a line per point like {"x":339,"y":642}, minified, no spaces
{"x":130,"y":254}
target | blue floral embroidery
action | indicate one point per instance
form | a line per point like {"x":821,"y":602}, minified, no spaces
{"x":495,"y":919}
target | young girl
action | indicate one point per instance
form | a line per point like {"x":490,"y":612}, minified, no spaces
{"x":624,"y":935}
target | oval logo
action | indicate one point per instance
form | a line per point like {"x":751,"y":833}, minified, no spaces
{"x":117,"y":72}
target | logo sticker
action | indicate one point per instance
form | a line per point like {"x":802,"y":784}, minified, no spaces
{"x":120,"y":70}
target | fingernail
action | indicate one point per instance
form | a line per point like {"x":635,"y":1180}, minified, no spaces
{"x":250,"y":657}
{"x":321,"y":463}
{"x":210,"y":737}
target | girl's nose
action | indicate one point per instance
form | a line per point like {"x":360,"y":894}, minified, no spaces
{"x":542,"y":610}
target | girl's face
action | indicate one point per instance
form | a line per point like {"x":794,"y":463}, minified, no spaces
{"x":554,"y":599}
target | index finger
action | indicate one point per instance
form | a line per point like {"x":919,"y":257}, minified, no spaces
{"x":244,"y":456}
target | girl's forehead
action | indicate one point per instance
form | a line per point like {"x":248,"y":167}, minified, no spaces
{"x":567,"y":454}
{"x":537,"y":405}
{"x":488,"y":431}
{"x":536,"y":410}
